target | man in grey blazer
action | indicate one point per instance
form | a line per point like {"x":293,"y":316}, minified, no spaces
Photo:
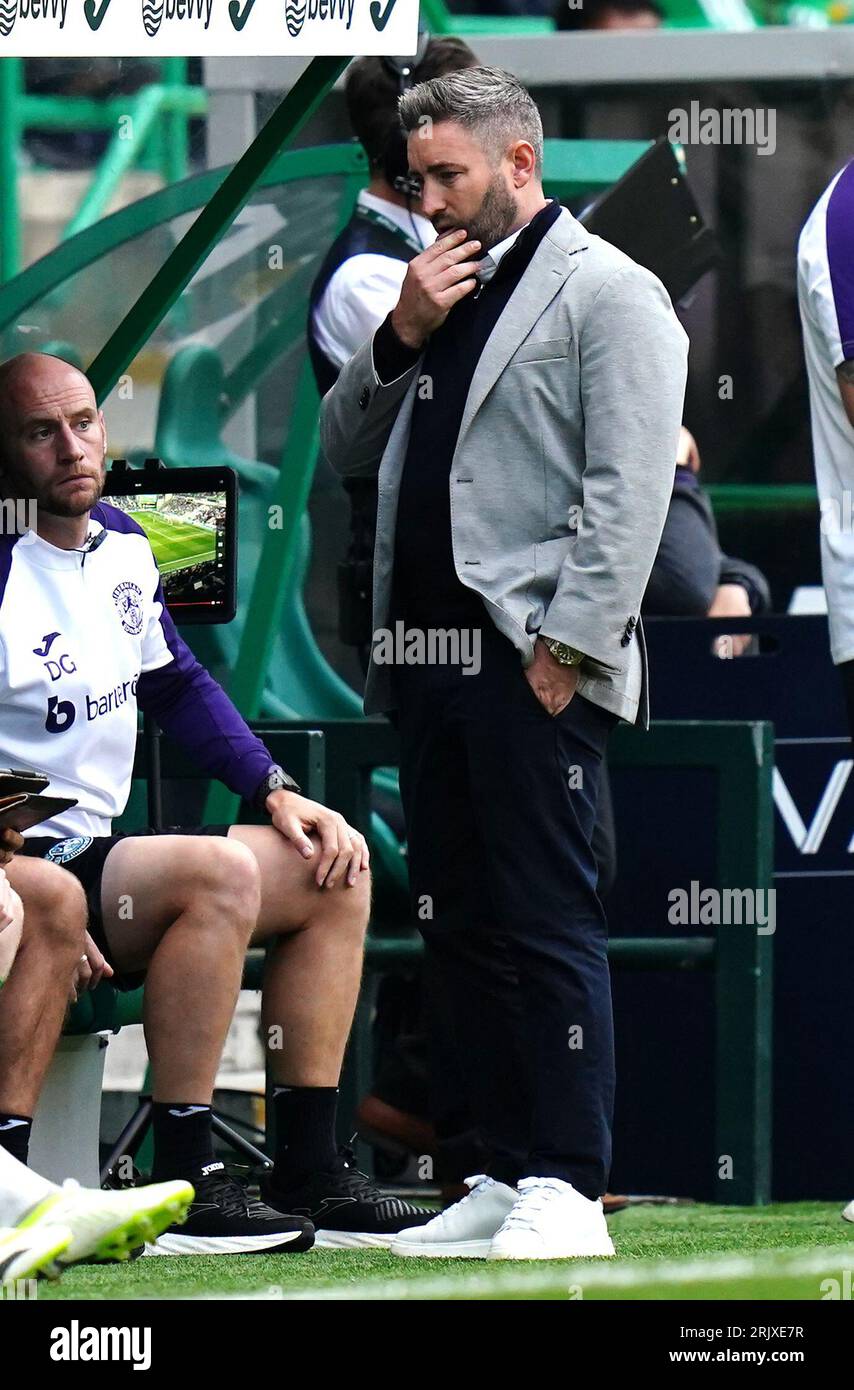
{"x":522,"y":406}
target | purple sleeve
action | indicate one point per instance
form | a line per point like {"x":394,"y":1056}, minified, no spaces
{"x":840,"y":256}
{"x":195,"y":711}
{"x":185,"y":699}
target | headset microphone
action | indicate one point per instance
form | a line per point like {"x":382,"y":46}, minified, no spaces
{"x":91,"y":544}
{"x":408,"y":184}
{"x":395,"y":159}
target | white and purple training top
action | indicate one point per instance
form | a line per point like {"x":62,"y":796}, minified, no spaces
{"x":826,"y":298}
{"x":85,"y":640}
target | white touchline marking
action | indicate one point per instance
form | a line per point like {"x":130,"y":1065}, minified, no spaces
{"x":770,"y":1264}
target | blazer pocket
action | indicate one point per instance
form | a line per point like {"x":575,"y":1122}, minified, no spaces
{"x":550,"y":555}
{"x":543,"y":350}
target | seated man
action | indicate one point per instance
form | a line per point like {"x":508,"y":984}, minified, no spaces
{"x":42,"y":1226}
{"x":41,"y":952}
{"x":691,"y":577}
{"x":84,"y":641}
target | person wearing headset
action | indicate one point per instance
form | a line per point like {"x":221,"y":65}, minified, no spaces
{"x":357,"y":285}
{"x":360,"y":277}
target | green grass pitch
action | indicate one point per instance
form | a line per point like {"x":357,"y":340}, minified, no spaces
{"x":176,"y":544}
{"x":786,"y":1251}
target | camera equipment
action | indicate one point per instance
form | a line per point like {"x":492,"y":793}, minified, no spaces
{"x":190,"y":518}
{"x":651,"y":214}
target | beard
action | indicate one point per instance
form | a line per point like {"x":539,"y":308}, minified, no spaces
{"x":495,"y":216}
{"x":53,"y":503}
{"x":51,"y":498}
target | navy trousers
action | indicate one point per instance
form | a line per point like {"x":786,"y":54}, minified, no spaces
{"x":500,"y":803}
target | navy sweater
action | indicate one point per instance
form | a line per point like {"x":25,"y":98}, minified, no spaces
{"x":426,"y":587}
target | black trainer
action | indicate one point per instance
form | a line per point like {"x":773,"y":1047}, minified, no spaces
{"x":347,"y":1209}
{"x":225,"y":1220}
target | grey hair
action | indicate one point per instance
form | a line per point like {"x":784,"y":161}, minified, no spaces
{"x":489,"y":102}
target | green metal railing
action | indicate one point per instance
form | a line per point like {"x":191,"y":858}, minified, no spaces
{"x":742,"y":756}
{"x":144,"y":115}
{"x":158,"y":209}
{"x":215,"y":218}
{"x":761,"y":497}
{"x":149,"y":130}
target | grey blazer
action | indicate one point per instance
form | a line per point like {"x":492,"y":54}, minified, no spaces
{"x":564,"y":465}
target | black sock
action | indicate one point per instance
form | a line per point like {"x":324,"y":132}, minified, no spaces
{"x":15,"y":1131}
{"x":305,"y":1132}
{"x":183,"y":1140}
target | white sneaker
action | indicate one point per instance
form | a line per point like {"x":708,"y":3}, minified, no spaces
{"x":849,"y":1212}
{"x":108,"y":1225}
{"x":466,"y":1229}
{"x":551,"y":1221}
{"x":24,"y":1254}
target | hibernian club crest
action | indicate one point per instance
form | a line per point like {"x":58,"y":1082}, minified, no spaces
{"x":128,"y":600}
{"x":63,"y":850}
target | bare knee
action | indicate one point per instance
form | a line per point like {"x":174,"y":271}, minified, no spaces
{"x":231,"y":880}
{"x":348,"y":907}
{"x":54,"y":904}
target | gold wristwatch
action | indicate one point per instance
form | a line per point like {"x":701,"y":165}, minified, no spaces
{"x":567,"y":656}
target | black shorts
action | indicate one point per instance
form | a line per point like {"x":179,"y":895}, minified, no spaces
{"x":85,"y":857}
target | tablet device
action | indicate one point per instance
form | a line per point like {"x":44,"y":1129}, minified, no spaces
{"x":32,"y":810}
{"x":18,"y":779}
{"x":190,"y":518}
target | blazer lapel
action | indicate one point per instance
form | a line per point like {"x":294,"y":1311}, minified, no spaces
{"x":550,"y":268}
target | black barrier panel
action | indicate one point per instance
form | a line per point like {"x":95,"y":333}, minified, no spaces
{"x":792,"y":681}
{"x":664,"y":1139}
